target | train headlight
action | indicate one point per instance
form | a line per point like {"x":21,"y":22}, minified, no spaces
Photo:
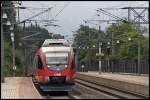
{"x":65,"y":66}
{"x":48,"y":66}
{"x":67,"y":78}
{"x":47,"y":79}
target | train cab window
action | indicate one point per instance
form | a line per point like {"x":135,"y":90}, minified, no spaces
{"x":40,"y":65}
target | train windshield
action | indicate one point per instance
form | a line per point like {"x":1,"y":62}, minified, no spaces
{"x":56,"y":58}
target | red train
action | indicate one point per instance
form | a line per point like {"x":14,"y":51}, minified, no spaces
{"x":55,"y":65}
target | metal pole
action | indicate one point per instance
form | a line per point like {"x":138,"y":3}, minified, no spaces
{"x":129,"y":15}
{"x":2,"y":50}
{"x":139,"y":47}
{"x":88,"y":49}
{"x":108,"y":64}
{"x":13,"y":51}
{"x":26,"y":61}
{"x":18,"y":15}
{"x":14,"y":65}
{"x":112,"y":47}
{"x":100,"y":59}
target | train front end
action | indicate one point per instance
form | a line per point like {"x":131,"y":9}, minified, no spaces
{"x":56,"y":68}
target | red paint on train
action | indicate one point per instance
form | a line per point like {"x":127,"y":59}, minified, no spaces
{"x":48,"y":78}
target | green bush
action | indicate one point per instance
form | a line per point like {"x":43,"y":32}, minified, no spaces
{"x":8,"y":61}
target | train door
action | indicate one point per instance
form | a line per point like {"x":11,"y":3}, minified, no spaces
{"x":40,"y":69}
{"x":73,"y":67}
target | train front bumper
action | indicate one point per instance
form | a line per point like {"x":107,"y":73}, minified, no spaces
{"x":57,"y":87}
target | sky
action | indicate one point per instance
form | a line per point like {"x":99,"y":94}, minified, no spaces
{"x":73,"y":14}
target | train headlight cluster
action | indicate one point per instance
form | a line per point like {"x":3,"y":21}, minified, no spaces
{"x":47,"y":79}
{"x":48,"y":66}
{"x":65,"y":66}
{"x":67,"y":78}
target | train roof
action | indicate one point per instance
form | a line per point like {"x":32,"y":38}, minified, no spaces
{"x":55,"y":42}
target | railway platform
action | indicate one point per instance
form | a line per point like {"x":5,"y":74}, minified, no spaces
{"x":129,"y":83}
{"x":19,"y":88}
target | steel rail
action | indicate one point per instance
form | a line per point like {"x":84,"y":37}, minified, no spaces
{"x":68,"y":96}
{"x":110,"y":90}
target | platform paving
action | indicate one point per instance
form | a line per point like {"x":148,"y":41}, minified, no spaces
{"x":143,"y":80}
{"x":133,"y":83}
{"x":19,"y":88}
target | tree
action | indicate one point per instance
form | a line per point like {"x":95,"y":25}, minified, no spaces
{"x":84,"y":39}
{"x":11,"y":14}
{"x":127,"y":49}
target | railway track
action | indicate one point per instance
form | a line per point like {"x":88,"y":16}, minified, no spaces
{"x":88,"y":90}
{"x":107,"y":91}
{"x":55,"y":95}
{"x":60,"y":95}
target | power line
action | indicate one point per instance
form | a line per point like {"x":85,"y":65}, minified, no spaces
{"x":116,"y":7}
{"x":37,"y":14}
{"x":63,"y":8}
{"x":111,"y":15}
{"x":34,"y":13}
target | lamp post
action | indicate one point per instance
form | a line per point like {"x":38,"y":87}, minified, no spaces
{"x":4,"y":16}
{"x":11,"y":28}
{"x":139,"y":49}
{"x":2,"y":46}
{"x":13,"y":45}
{"x":129,"y":39}
{"x":108,"y":48}
{"x":2,"y":39}
{"x":100,"y":44}
{"x":93,"y":46}
{"x":89,"y":62}
{"x":139,"y":56}
{"x":8,"y":23}
{"x":118,"y":41}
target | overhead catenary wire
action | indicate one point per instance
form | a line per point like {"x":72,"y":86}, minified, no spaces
{"x":116,"y":7}
{"x":37,"y":14}
{"x":33,"y":12}
{"x":62,"y":8}
{"x":111,"y":15}
{"x":49,"y":13}
{"x":34,"y":8}
{"x":127,"y":3}
{"x":108,"y":14}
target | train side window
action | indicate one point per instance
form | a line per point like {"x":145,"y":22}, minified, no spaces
{"x":40,"y":65}
{"x":35,"y":61}
{"x":73,"y":64}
